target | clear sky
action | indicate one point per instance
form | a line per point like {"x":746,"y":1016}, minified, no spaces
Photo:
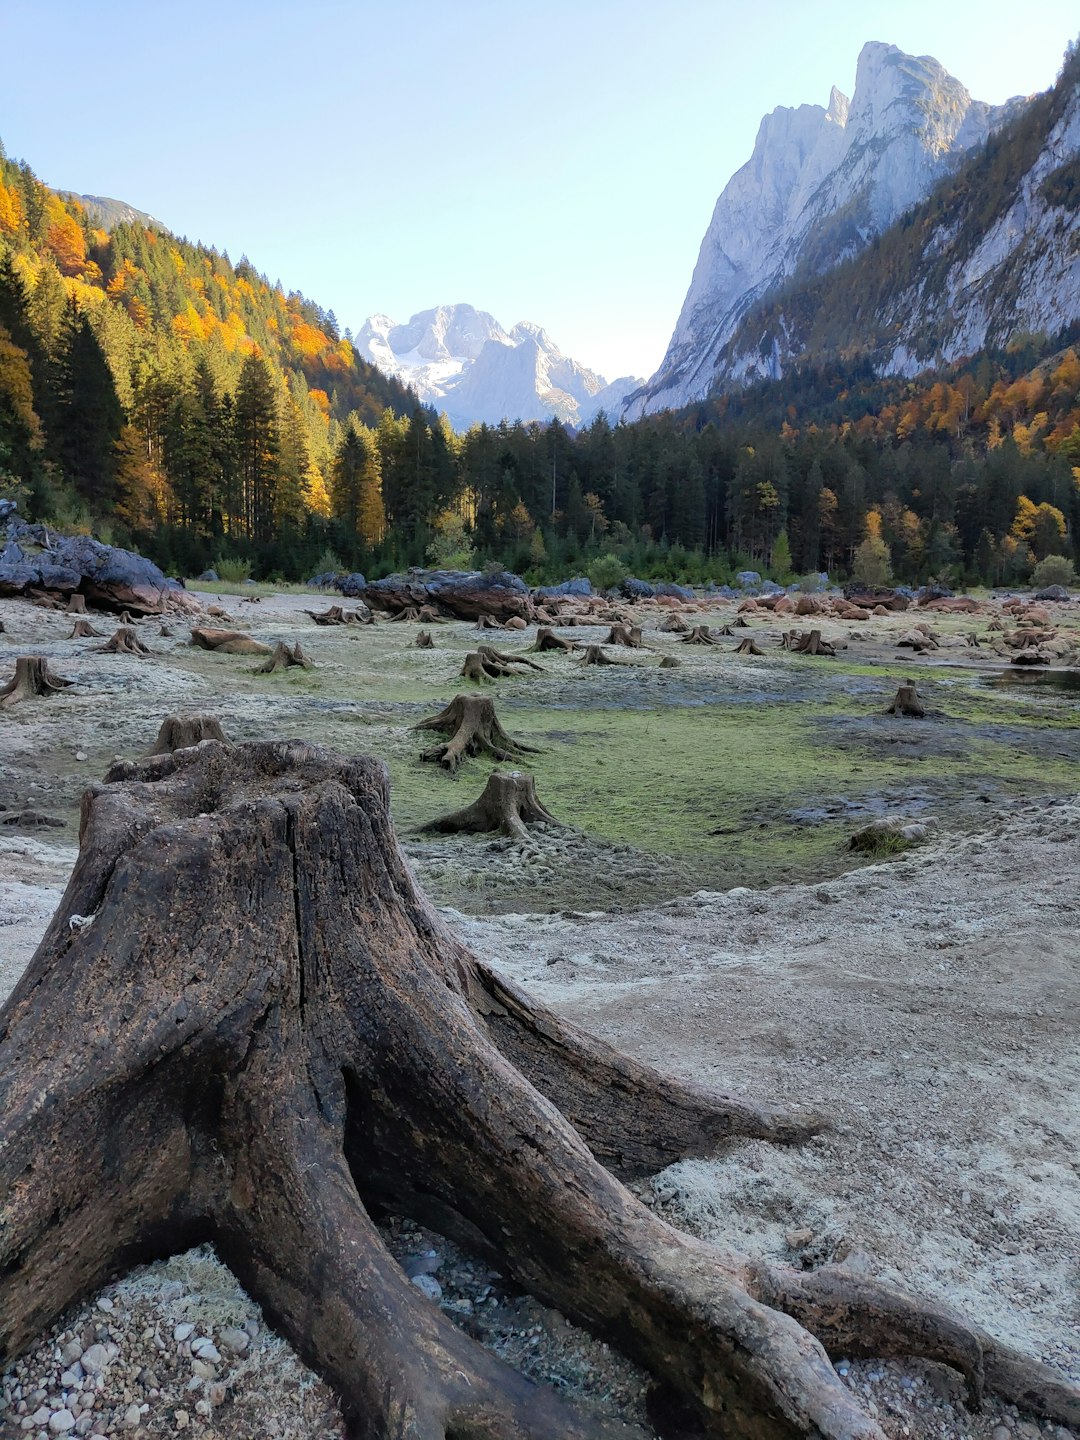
{"x":555,"y":162}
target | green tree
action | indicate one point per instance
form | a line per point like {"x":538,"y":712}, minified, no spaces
{"x":258,"y":447}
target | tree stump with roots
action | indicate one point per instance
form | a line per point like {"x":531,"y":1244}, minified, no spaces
{"x":424,"y":641}
{"x":479,"y":671}
{"x":282,"y":657}
{"x":124,"y":641}
{"x":32,"y":677}
{"x":504,"y":657}
{"x":628,"y":635}
{"x":748,"y":646}
{"x":807,"y":642}
{"x":700,"y":635}
{"x":83,"y":630}
{"x":227,"y":642}
{"x":422,"y":614}
{"x":474,"y":729}
{"x":594,"y":655}
{"x":180,"y":732}
{"x":546,"y":639}
{"x":486,"y":622}
{"x":907,"y":702}
{"x":76,"y":604}
{"x":335,"y":615}
{"x":508,"y":804}
{"x":272,"y":1036}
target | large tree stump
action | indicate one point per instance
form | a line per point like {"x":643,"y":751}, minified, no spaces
{"x":124,"y":641}
{"x":84,"y":630}
{"x":480,"y":671}
{"x":907,"y":702}
{"x":807,"y":642}
{"x":594,"y":655}
{"x":546,"y":639}
{"x":227,"y":642}
{"x":269,"y":1034}
{"x":76,"y":604}
{"x":628,"y":635}
{"x":282,"y":658}
{"x":474,"y":729}
{"x":700,"y":635}
{"x":32,"y":677}
{"x":748,"y":646}
{"x":179,"y":732}
{"x":509,"y":804}
{"x":673,"y":624}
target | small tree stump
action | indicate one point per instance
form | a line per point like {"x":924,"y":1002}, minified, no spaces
{"x":228,"y":642}
{"x":806,"y":642}
{"x":335,"y":615}
{"x":486,"y":622}
{"x":674,"y":624}
{"x":124,"y":641}
{"x":76,"y":604}
{"x":502,"y":657}
{"x":669,"y":662}
{"x":283,"y":657}
{"x":594,"y":655}
{"x":424,"y":641}
{"x":508,"y":804}
{"x":83,"y":630}
{"x":474,"y":729}
{"x":700,"y":635}
{"x":165,"y":631}
{"x":628,"y":635}
{"x":32,"y":677}
{"x":480,"y":671}
{"x":749,"y":646}
{"x":546,"y":639}
{"x":180,"y":732}
{"x":907,"y":702}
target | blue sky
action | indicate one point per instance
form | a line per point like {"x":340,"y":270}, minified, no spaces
{"x":549,"y":162}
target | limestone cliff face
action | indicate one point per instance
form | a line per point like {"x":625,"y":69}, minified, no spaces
{"x":821,"y":183}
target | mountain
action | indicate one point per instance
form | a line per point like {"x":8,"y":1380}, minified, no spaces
{"x":109,"y":213}
{"x":820,"y":184}
{"x":463,"y":362}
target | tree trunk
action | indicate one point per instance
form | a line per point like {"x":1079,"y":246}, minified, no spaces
{"x":268,"y":1033}
{"x":228,"y":642}
{"x":907,"y":702}
{"x":546,"y":639}
{"x":124,"y":641}
{"x":32,"y":677}
{"x":508,"y":804}
{"x":283,"y":657}
{"x":474,"y":729}
{"x":83,"y":630}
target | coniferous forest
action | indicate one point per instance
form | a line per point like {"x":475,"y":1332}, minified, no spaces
{"x":161,"y":396}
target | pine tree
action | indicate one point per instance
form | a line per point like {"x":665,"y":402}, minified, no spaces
{"x":258,"y":447}
{"x":89,"y":418}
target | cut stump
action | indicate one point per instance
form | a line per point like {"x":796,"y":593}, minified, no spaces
{"x":32,"y":677}
{"x":83,"y":630}
{"x":546,"y":639}
{"x":628,"y":635}
{"x":424,"y":641}
{"x":509,"y":804}
{"x":594,"y":655}
{"x":270,"y":1035}
{"x":474,"y":729}
{"x":907,"y":702}
{"x":76,"y":604}
{"x":700,"y":635}
{"x":124,"y":641}
{"x":283,"y":657}
{"x":807,"y":642}
{"x":748,"y":646}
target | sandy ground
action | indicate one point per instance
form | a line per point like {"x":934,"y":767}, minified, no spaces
{"x":930,"y":1006}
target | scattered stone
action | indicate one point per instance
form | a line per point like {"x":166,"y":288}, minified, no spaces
{"x":429,"y":1286}
{"x":61,"y":1421}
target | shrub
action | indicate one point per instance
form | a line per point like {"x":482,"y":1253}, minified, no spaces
{"x":1054,"y":570}
{"x":233,"y":569}
{"x":605,"y":572}
{"x":328,"y":563}
{"x":871,"y":566}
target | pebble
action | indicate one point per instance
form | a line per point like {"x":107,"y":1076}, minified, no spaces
{"x":104,"y":1303}
{"x":131,"y":1416}
{"x":1001,"y":1432}
{"x":95,"y":1359}
{"x":182,"y":1417}
{"x":206,"y":1350}
{"x":61,"y":1421}
{"x":183,"y":1332}
{"x":236,"y":1341}
{"x":429,"y":1286}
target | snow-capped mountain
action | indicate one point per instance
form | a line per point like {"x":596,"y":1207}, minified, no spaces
{"x":463,"y":362}
{"x":821,"y":183}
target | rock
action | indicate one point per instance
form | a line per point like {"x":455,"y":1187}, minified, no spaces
{"x":203,"y":1369}
{"x":351,"y":586}
{"x":429,"y":1286}
{"x":69,"y":1380}
{"x":424,"y":1264}
{"x":183,"y":1332}
{"x":181,"y":1417}
{"x":206,"y":1350}
{"x":172,"y":1290}
{"x":677,"y":592}
{"x":579,"y":585}
{"x":466,"y":594}
{"x":61,"y":1421}
{"x":1052,"y":592}
{"x":71,"y":1352}
{"x":798,"y":1239}
{"x":748,"y":579}
{"x":633,"y":589}
{"x":770,"y":587}
{"x":104,"y":1303}
{"x":235,"y":1341}
{"x":132,"y":1417}
{"x":95,"y":1359}
{"x":1001,"y":1432}
{"x":210,"y":575}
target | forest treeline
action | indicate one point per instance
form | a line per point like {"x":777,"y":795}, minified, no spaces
{"x":159,"y":395}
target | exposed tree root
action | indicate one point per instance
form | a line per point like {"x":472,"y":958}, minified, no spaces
{"x":282,"y":657}
{"x":628,"y":635}
{"x":486,"y":622}
{"x":83,"y":630}
{"x":546,"y":639}
{"x":700,"y":635}
{"x":907,"y":702}
{"x":503,"y":657}
{"x":337,"y":615}
{"x":508,"y":804}
{"x":474,"y":729}
{"x":424,"y":641}
{"x":228,"y":642}
{"x":479,"y":671}
{"x":269,"y":1033}
{"x":32,"y":677}
{"x":124,"y":641}
{"x":807,"y":642}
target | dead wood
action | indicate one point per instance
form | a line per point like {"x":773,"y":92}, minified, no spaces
{"x":673,"y":624}
{"x":503,"y":657}
{"x":508,"y":804}
{"x":486,"y":622}
{"x":29,"y":820}
{"x":546,"y":639}
{"x":907,"y":702}
{"x":480,"y":671}
{"x":165,"y":630}
{"x":628,"y":635}
{"x":44,"y":601}
{"x":228,"y":642}
{"x":420,"y":614}
{"x":32,"y":677}
{"x":178,"y":732}
{"x":83,"y":630}
{"x":749,"y":646}
{"x":424,"y":640}
{"x":282,"y":657}
{"x":700,"y":635}
{"x":124,"y":641}
{"x":269,"y":1034}
{"x":474,"y":729}
{"x":594,"y":655}
{"x":972,"y":640}
{"x":335,"y":615}
{"x":806,"y":642}
{"x":669,"y":662}
{"x":76,"y":604}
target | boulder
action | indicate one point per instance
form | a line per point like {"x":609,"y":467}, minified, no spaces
{"x":579,"y":585}
{"x":953,"y":605}
{"x":770,"y":587}
{"x":633,"y":589}
{"x":677,"y":592}
{"x":934,"y":591}
{"x":465,"y":594}
{"x":210,"y":575}
{"x":1052,"y":592}
{"x":748,"y":579}
{"x":352,"y":586}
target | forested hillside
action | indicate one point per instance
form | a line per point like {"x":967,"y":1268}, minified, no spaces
{"x":156,"y":393}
